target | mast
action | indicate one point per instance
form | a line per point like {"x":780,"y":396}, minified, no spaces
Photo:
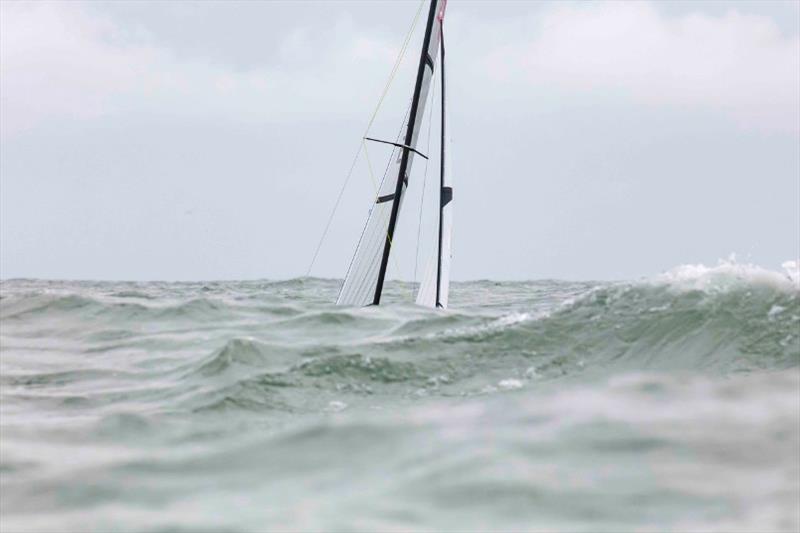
{"x":441,"y":177}
{"x":435,"y":286}
{"x":425,"y":61}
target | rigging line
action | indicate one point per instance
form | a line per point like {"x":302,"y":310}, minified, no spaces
{"x":377,"y":192}
{"x":396,"y":66}
{"x":366,"y":132}
{"x":369,"y":167}
{"x":361,"y":285}
{"x":425,"y":174}
{"x":333,"y":212}
{"x":385,"y":173}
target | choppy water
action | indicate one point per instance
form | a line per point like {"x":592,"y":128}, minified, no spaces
{"x":671,"y":403}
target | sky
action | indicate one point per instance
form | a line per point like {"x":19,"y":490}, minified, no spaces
{"x":209,"y":140}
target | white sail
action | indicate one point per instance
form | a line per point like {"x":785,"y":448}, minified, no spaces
{"x":435,"y":287}
{"x":362,"y":277}
{"x":364,"y":280}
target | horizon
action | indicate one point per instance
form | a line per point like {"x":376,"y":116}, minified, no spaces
{"x":789,"y":268}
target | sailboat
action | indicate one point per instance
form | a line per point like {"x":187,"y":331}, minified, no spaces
{"x":364,"y":281}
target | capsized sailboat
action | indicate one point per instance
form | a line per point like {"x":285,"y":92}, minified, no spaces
{"x":363,"y":284}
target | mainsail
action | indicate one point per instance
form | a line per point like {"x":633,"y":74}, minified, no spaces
{"x":363,"y":283}
{"x":435,"y":286}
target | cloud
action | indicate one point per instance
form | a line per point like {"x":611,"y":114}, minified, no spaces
{"x":739,"y":65}
{"x":63,"y":61}
{"x":51,"y":65}
{"x":60,"y":61}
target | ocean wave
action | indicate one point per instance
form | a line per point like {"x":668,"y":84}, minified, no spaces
{"x":726,"y":318}
{"x":547,"y":404}
{"x":236,"y":352}
{"x":730,"y":275}
{"x":374,"y":369}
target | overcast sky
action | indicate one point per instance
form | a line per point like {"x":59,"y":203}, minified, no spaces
{"x":208,"y":140}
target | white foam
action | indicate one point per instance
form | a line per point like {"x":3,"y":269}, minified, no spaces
{"x":335,"y":406}
{"x":500,"y":323}
{"x":531,"y":372}
{"x":792,"y":269}
{"x":774,"y":311}
{"x":728,"y":273}
{"x":510,"y":384}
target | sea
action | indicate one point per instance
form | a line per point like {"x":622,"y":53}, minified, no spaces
{"x":670,"y":403}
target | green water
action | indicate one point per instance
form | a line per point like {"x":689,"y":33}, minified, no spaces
{"x":666,"y":404}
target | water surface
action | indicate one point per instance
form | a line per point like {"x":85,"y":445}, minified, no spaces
{"x":669,"y":403}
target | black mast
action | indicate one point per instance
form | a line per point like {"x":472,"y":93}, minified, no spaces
{"x":442,"y":200}
{"x":401,"y":175}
